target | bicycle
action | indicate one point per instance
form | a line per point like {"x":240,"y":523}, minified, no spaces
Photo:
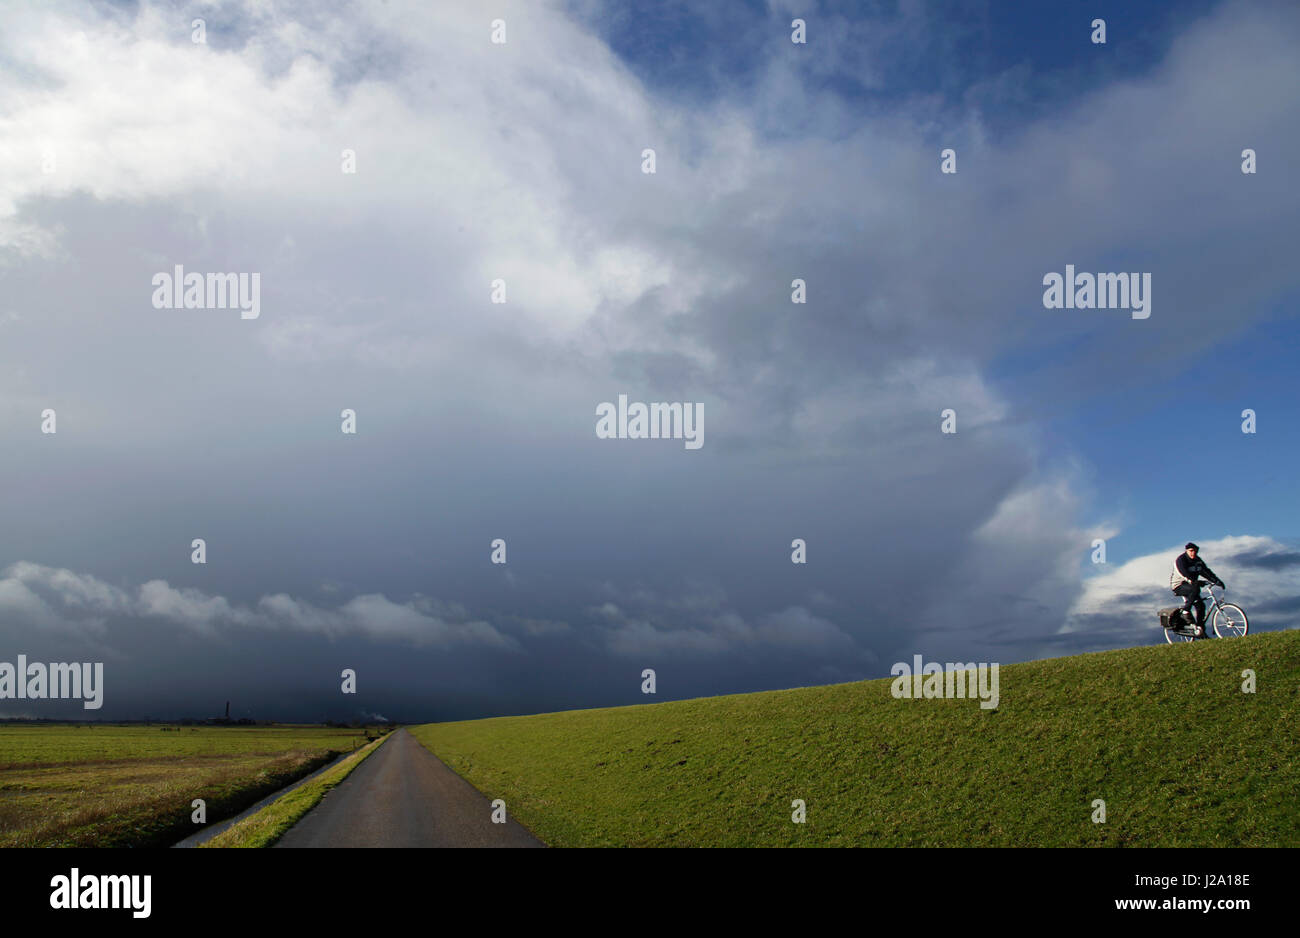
{"x":1228,"y":620}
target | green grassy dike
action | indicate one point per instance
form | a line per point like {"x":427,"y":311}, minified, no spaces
{"x":1163,"y":734}
{"x":268,"y":825}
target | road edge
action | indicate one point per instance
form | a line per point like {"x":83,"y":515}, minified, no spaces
{"x":268,"y":825}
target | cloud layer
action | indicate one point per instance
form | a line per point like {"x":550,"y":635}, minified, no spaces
{"x":127,"y":148}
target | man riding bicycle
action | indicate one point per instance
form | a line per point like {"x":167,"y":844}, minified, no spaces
{"x":1185,"y":581}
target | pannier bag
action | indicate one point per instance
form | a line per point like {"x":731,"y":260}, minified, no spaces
{"x":1172,"y":618}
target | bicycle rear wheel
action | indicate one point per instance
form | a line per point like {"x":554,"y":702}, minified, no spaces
{"x":1178,"y":635}
{"x":1230,"y":621}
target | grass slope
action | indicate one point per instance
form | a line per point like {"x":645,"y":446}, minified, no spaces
{"x":268,"y":825}
{"x":1164,"y":735}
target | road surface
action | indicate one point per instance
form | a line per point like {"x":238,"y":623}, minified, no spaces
{"x":402,"y":795}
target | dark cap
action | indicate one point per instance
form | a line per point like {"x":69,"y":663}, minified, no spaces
{"x":1190,"y":546}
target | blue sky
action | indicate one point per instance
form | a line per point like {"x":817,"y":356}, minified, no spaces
{"x":128,"y":148}
{"x":1223,"y":481}
{"x":694,"y":52}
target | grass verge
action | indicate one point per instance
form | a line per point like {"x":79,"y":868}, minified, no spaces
{"x":267,"y":826}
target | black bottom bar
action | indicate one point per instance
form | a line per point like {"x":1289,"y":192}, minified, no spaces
{"x":666,"y":888}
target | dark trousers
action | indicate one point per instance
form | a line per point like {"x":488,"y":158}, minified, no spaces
{"x":1191,"y":594}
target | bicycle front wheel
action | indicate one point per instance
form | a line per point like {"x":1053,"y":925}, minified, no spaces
{"x":1229,"y":621}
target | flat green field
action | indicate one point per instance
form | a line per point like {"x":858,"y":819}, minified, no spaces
{"x":107,"y":785}
{"x":1164,"y":735}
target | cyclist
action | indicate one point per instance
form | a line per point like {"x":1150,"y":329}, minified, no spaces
{"x":1185,"y":581}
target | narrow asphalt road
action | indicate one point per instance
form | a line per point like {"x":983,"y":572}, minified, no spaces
{"x":404,"y":796}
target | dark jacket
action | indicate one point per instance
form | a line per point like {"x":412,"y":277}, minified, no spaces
{"x":1187,"y":570}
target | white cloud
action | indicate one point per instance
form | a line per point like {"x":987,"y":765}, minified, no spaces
{"x":189,"y":607}
{"x":700,"y":621}
{"x":75,"y":603}
{"x":1260,"y":573}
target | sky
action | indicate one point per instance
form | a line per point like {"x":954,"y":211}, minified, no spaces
{"x":127,"y":148}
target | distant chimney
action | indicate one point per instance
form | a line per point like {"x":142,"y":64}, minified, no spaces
{"x":227,"y":709}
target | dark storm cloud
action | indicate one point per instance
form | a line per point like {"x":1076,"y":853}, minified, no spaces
{"x":476,"y":420}
{"x":1276,"y":560}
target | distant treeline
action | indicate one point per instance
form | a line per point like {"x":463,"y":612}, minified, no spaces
{"x":189,"y":721}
